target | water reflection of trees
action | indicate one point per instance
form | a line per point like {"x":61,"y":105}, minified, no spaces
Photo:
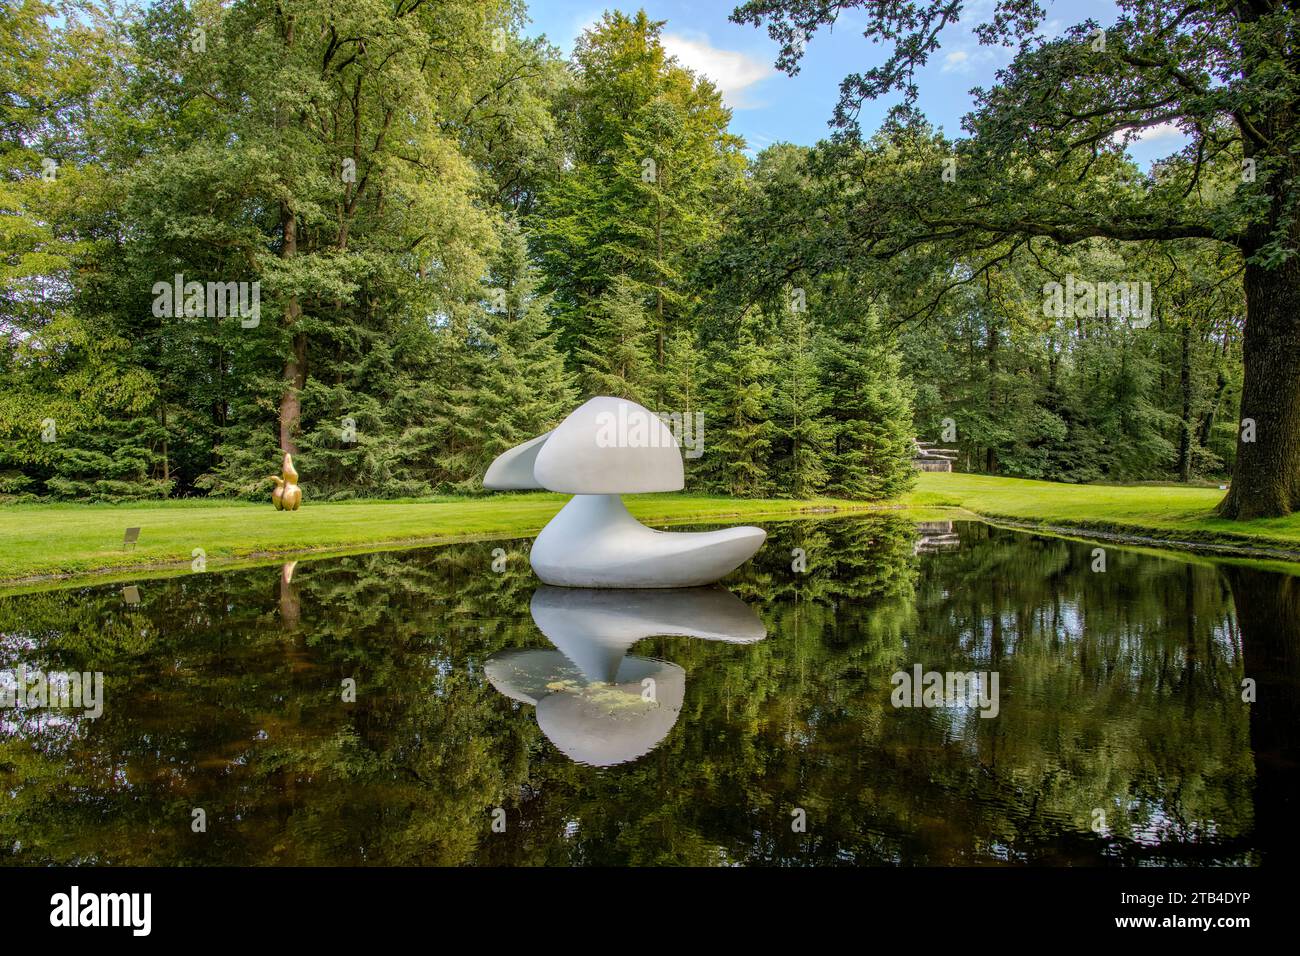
{"x":1120,"y":691}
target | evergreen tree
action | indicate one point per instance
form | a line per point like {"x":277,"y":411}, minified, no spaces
{"x":615,"y":353}
{"x":739,"y":420}
{"x":113,"y":461}
{"x":651,"y":162}
{"x":432,"y":413}
{"x":802,"y":428}
{"x":681,"y":386}
{"x":870,"y":407}
{"x":523,"y":388}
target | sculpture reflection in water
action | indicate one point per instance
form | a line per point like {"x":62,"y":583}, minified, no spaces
{"x":596,"y":703}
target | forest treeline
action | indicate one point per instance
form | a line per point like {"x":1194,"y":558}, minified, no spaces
{"x":453,"y":234}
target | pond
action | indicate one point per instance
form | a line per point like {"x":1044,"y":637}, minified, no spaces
{"x":436,"y":706}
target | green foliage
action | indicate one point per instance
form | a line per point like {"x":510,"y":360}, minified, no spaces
{"x":522,"y":387}
{"x":113,"y":461}
{"x":651,"y":162}
{"x":457,"y":235}
{"x":804,"y":429}
{"x":615,"y":347}
{"x":739,"y":401}
{"x":872,"y":444}
{"x":1083,"y":398}
{"x":1044,"y":169}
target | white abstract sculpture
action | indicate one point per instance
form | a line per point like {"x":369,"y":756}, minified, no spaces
{"x":597,"y":704}
{"x":607,"y":448}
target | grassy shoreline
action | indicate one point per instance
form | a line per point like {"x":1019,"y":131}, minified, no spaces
{"x":1170,"y":515}
{"x":44,"y":544}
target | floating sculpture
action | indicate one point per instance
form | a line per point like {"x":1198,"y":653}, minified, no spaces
{"x":607,"y":448}
{"x":599,"y":705}
{"x":287,"y":495}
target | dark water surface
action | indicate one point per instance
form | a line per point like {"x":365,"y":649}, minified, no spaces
{"x":1120,"y":733}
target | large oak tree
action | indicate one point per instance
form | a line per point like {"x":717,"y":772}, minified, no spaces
{"x":1044,"y":163}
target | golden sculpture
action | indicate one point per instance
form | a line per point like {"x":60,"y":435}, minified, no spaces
{"x":287,"y":495}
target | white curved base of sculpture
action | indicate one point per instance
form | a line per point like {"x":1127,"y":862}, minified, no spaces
{"x":594,"y":542}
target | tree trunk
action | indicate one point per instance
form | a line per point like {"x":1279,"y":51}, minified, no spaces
{"x":167,"y":465}
{"x":1266,"y":475}
{"x":295,"y":377}
{"x":295,"y":367}
{"x":1207,"y":423}
{"x":1185,"y":381}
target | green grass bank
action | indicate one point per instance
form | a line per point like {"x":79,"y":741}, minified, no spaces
{"x":45,"y":542}
{"x":51,"y":541}
{"x":1172,"y":513}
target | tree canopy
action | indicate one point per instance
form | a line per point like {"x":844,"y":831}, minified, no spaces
{"x":453,"y":233}
{"x":1043,"y":159}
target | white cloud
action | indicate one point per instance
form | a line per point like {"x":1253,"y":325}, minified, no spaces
{"x":1161,"y":133}
{"x":1151,"y":144}
{"x":956,"y":61}
{"x":731,"y":71}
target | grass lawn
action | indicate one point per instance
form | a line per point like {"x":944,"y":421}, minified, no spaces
{"x":39,"y":540}
{"x":1171,"y":512}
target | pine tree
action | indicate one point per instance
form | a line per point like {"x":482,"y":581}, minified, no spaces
{"x":523,"y":388}
{"x":681,"y":385}
{"x":615,"y":354}
{"x":740,"y":394}
{"x":802,"y":429}
{"x":870,"y":403}
{"x":115,"y":460}
{"x":651,"y":157}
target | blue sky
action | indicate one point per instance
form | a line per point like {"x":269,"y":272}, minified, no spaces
{"x":771,"y":107}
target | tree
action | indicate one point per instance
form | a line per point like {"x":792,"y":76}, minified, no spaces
{"x":681,"y":387}
{"x":739,"y":415}
{"x":76,"y":397}
{"x":777,"y":259}
{"x":651,"y":158}
{"x":1045,"y":156}
{"x":615,"y":354}
{"x":523,"y":389}
{"x":870,"y":408}
{"x":353,"y":159}
{"x":801,"y":418}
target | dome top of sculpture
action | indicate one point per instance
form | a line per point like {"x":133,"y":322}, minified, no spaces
{"x":610,"y":446}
